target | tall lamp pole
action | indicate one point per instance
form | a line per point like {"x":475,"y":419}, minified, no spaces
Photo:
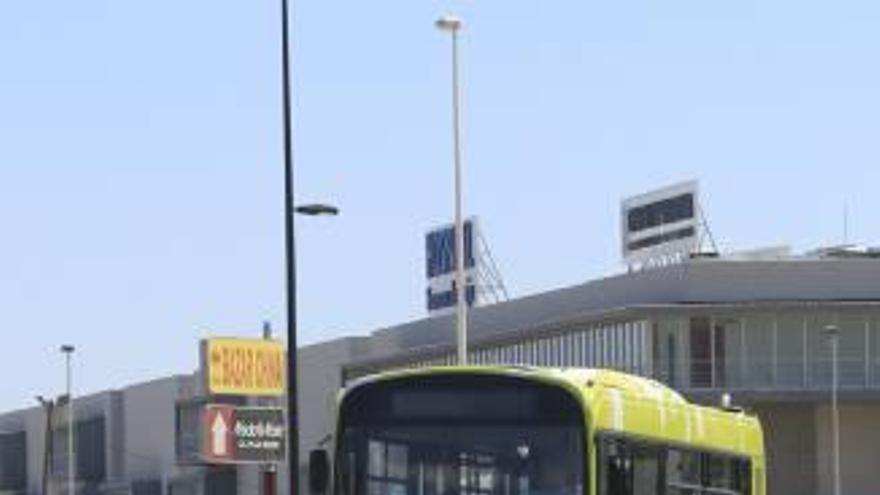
{"x":833,"y":333}
{"x":453,"y":25}
{"x":289,"y":253}
{"x":71,"y":465}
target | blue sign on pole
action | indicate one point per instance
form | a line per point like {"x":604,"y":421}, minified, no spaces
{"x":440,"y":264}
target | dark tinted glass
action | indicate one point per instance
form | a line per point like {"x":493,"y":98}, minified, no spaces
{"x":13,"y":461}
{"x":90,"y":443}
{"x":666,"y":211}
{"x":461,"y":435}
{"x":661,"y":238}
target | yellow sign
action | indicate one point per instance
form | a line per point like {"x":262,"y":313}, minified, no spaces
{"x":243,"y":366}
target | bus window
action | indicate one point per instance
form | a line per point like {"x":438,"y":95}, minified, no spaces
{"x":725,"y":474}
{"x":744,"y":477}
{"x":646,"y":470}
{"x":720,"y":472}
{"x":682,"y":472}
{"x":386,"y":468}
{"x":451,"y":435}
{"x":615,"y":468}
{"x":628,"y":468}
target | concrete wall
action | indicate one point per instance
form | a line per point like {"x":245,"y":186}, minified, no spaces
{"x":32,"y":421}
{"x":149,"y":428}
{"x":859,"y":449}
{"x":790,"y":444}
{"x":319,"y":378}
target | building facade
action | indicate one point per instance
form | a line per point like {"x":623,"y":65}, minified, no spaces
{"x":755,"y":329}
{"x":139,"y":440}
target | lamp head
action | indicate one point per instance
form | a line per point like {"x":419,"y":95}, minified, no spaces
{"x":448,"y":23}
{"x":317,"y":209}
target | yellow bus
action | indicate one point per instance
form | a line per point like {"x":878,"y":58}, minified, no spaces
{"x":534,"y":431}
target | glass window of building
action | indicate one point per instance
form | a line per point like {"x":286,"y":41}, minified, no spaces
{"x":665,"y":345}
{"x":790,"y":352}
{"x":818,"y":349}
{"x":851,"y":348}
{"x":700,"y":338}
{"x":758,"y":358}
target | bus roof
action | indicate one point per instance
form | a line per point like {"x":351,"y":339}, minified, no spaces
{"x":618,"y":403}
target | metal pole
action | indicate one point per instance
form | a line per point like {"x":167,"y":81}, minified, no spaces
{"x":290,"y":258}
{"x":269,"y":471}
{"x":71,"y":473}
{"x":452,"y":25}
{"x":833,"y":333}
{"x":835,"y":415}
{"x":48,"y":407}
{"x":460,"y":282}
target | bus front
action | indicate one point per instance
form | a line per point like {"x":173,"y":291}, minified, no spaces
{"x":460,"y":434}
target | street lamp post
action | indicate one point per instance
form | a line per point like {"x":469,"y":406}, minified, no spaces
{"x":71,"y":466}
{"x":290,"y":251}
{"x":453,"y":25}
{"x":833,"y":334}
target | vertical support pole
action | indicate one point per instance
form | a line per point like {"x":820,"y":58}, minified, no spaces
{"x":270,"y":477}
{"x":743,"y":353}
{"x":460,"y":280}
{"x":867,"y":351}
{"x":805,"y":379}
{"x":774,"y":373}
{"x":71,"y":465}
{"x":289,"y":257}
{"x":684,"y":365}
{"x":712,"y":356}
{"x":49,"y":408}
{"x":835,"y":420}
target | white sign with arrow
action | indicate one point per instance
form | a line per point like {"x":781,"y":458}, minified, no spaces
{"x":220,"y":431}
{"x":242,"y":434}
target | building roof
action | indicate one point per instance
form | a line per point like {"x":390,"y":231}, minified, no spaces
{"x":717,"y":281}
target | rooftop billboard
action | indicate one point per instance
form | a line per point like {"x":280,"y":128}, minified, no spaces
{"x":660,"y":224}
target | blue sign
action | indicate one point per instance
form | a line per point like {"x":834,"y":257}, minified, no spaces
{"x":440,"y":250}
{"x":440,"y":266}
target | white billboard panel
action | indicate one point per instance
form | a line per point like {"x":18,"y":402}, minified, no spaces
{"x":661,"y":224}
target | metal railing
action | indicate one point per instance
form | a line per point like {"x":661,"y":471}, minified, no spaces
{"x":854,"y":373}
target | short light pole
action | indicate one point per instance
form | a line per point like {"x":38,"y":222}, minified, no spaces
{"x":453,"y":25}
{"x":833,"y":334}
{"x":48,"y":407}
{"x":67,"y":350}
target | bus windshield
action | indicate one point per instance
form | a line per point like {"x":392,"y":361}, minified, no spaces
{"x":460,"y":435}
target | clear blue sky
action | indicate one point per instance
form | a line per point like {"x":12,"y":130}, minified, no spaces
{"x":140,"y":166}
